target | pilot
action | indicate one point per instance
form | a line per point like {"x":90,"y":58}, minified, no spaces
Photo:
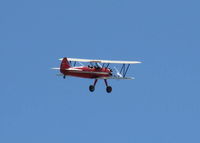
{"x":97,"y":67}
{"x":90,"y":66}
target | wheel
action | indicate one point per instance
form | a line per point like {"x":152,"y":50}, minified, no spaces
{"x":64,"y":76}
{"x":91,"y":88}
{"x":109,"y":89}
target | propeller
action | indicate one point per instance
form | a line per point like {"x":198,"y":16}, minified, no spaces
{"x":117,"y":72}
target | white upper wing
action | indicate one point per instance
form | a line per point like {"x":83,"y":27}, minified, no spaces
{"x":102,"y":61}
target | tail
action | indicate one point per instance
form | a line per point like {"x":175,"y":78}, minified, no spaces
{"x":64,"y":64}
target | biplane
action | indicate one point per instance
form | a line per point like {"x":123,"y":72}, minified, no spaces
{"x":96,"y":69}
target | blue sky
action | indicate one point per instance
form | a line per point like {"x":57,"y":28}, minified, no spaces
{"x":160,"y":106}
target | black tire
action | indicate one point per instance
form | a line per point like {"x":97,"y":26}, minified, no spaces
{"x":109,"y":89}
{"x":91,"y":88}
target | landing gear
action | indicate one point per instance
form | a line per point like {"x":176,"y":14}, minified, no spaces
{"x":92,"y":87}
{"x":108,"y":88}
{"x":64,"y":76}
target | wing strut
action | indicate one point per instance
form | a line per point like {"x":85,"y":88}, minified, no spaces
{"x":74,"y":63}
{"x":124,"y":69}
{"x":107,"y":65}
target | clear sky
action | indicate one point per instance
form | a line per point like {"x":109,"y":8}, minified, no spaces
{"x":162,"y":105}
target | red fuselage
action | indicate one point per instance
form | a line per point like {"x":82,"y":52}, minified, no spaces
{"x":87,"y":72}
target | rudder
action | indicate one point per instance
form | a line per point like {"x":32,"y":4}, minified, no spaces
{"x":64,"y":64}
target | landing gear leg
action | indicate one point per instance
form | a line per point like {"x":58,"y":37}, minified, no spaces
{"x":64,"y":76}
{"x":108,"y":88}
{"x":92,"y":87}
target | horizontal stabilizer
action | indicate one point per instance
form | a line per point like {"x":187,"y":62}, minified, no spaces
{"x":55,"y":68}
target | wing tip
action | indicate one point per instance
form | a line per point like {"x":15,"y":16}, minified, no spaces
{"x":138,"y":62}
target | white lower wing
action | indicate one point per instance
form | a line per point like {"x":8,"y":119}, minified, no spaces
{"x":122,"y":78}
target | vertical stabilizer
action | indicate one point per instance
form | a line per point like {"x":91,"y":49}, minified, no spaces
{"x":64,"y":64}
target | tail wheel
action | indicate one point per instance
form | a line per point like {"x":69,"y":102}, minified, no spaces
{"x":91,"y":88}
{"x":109,"y":89}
